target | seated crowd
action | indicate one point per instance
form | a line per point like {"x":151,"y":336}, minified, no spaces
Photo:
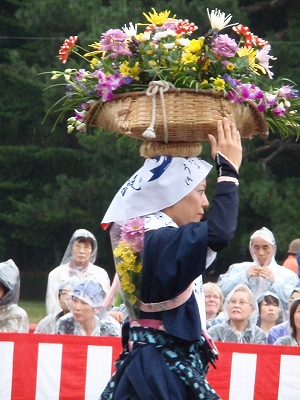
{"x":253,"y":302}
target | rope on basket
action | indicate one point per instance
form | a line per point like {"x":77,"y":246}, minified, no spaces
{"x":154,"y":88}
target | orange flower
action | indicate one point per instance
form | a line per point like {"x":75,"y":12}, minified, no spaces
{"x":65,"y":49}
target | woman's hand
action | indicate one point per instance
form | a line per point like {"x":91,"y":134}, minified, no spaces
{"x":228,"y":142}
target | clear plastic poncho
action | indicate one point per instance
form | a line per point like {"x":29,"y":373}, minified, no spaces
{"x":12,"y":317}
{"x":226,"y":333}
{"x":80,"y":233}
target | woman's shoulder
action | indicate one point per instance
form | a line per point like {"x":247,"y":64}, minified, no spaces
{"x":287,"y":340}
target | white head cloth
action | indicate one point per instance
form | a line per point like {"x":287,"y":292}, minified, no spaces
{"x":159,"y":183}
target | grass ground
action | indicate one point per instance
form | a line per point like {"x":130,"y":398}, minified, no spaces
{"x":35,"y":309}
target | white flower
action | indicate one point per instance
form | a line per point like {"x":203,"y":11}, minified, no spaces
{"x":146,"y":36}
{"x":70,"y":128}
{"x":55,"y":76}
{"x":131,"y":30}
{"x":160,"y":35}
{"x":183,"y":42}
{"x":218,"y":20}
{"x":169,"y":46}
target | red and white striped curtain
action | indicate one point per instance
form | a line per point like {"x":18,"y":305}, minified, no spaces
{"x":65,"y":367}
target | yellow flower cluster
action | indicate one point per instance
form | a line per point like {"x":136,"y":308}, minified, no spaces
{"x":128,"y":269}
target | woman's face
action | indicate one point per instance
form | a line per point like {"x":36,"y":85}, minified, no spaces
{"x":262,"y":250}
{"x":81,"y":252}
{"x":191,"y":207}
{"x":297,"y":318}
{"x":212,"y":304}
{"x":269,"y":312}
{"x":82,"y":311}
{"x":239,"y":307}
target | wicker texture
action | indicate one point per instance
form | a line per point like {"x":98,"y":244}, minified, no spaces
{"x":173,"y":149}
{"x":191,"y":115}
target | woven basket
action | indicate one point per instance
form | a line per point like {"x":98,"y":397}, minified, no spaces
{"x":191,"y":115}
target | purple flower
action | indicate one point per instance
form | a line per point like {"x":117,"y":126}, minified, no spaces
{"x":227,"y":78}
{"x":106,"y":84}
{"x":285,"y":91}
{"x":115,"y":41}
{"x":224,"y":46}
{"x":279,"y":111}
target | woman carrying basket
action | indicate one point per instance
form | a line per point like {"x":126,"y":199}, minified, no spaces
{"x":166,"y":354}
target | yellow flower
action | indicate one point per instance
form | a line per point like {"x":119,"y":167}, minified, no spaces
{"x":130,"y":288}
{"x":137,"y":268}
{"x":124,"y":69}
{"x":251,"y":54}
{"x":230,"y":66}
{"x":188,"y":58}
{"x":121,"y":268}
{"x":158,"y":18}
{"x":132,"y":299}
{"x":119,"y":250}
{"x":125,"y":280}
{"x":194,"y":46}
{"x":128,"y":257}
{"x":219,"y":84}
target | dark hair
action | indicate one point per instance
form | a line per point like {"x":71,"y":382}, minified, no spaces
{"x":269,"y":299}
{"x":293,"y":308}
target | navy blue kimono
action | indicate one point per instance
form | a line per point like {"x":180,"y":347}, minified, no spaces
{"x":172,"y":365}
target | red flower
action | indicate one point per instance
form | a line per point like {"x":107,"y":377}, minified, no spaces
{"x":66,"y":48}
{"x":241,"y":30}
{"x":184,"y":26}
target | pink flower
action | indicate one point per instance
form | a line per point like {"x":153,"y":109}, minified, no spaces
{"x":279,"y":111}
{"x":224,"y":46}
{"x":114,"y":41}
{"x":263,"y":58}
{"x":285,"y":91}
{"x":133,"y":233}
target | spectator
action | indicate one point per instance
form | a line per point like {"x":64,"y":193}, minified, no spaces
{"x":86,"y":301}
{"x":291,"y":261}
{"x":282,"y":329}
{"x":47,"y":324}
{"x":214,"y":300}
{"x":293,"y":338}
{"x":12,"y":317}
{"x":77,"y":261}
{"x":271,"y":312}
{"x":241,"y":312}
{"x":263,"y":273}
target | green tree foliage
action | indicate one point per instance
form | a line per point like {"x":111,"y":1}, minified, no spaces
{"x":52,"y":183}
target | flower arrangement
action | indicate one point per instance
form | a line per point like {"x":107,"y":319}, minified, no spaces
{"x":127,"y":242}
{"x":125,"y":60}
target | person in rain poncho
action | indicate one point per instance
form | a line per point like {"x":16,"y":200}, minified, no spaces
{"x":293,"y":338}
{"x":85,"y":302}
{"x":166,"y":354}
{"x":282,"y":329}
{"x":47,"y":324}
{"x":241,"y":313}
{"x":12,"y":317}
{"x":263,"y":273}
{"x":271,"y":312}
{"x":78,"y":261}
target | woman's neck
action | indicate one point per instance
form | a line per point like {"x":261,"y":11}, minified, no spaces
{"x":266,"y":326}
{"x":239,"y":325}
{"x":210,"y":315}
{"x":89,"y":326}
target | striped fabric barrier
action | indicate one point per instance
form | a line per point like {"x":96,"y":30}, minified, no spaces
{"x":65,"y":367}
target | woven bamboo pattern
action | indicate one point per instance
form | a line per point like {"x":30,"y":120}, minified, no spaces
{"x":191,"y":115}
